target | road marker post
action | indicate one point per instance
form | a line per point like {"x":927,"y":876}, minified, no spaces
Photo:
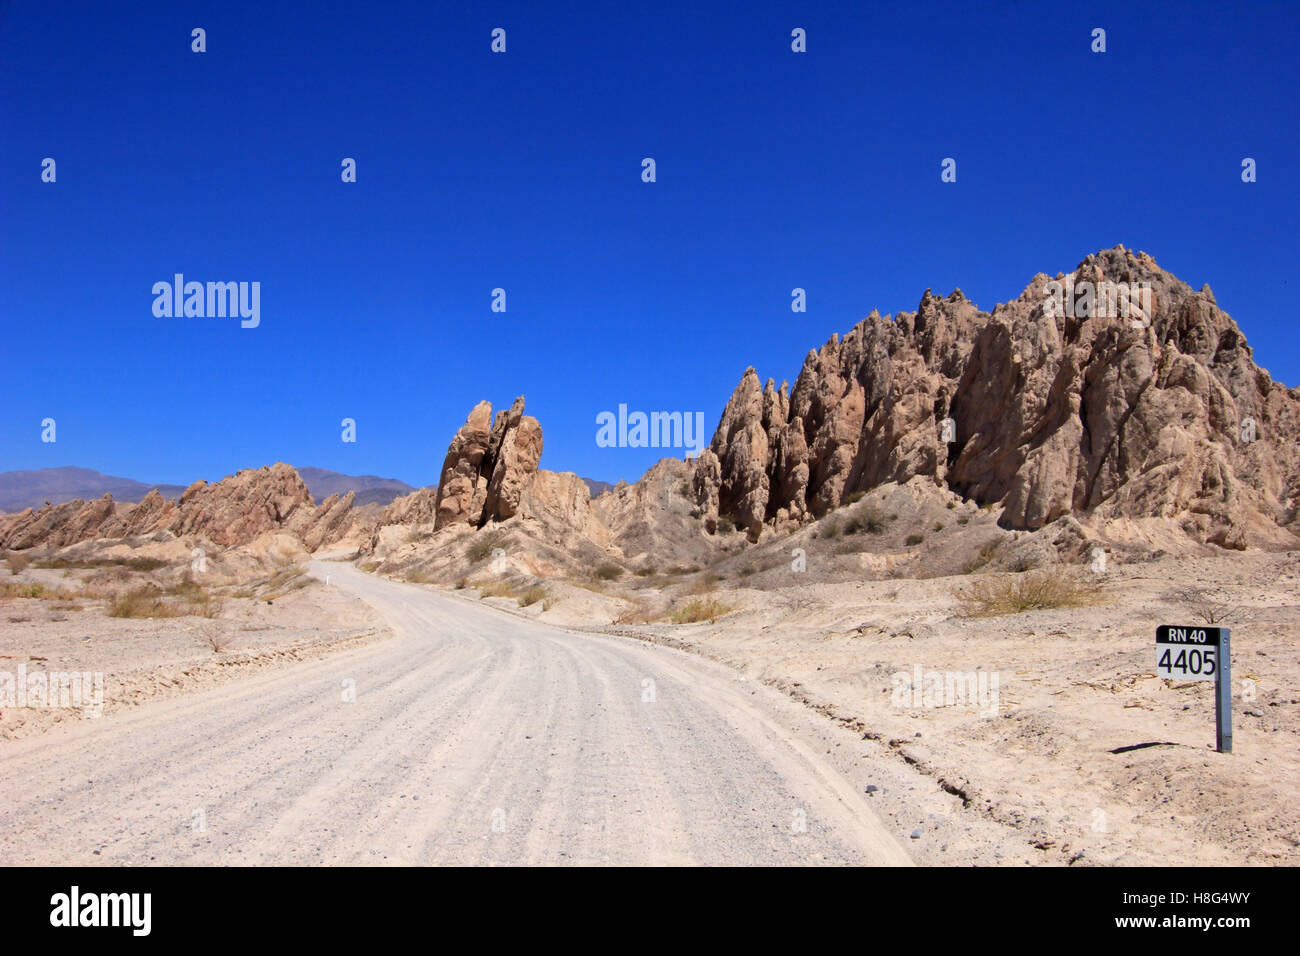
{"x":1223,"y":695}
{"x":1200,"y":653}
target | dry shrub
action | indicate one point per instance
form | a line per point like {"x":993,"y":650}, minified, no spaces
{"x":17,"y":561}
{"x":143,"y":601}
{"x":607,"y":572}
{"x":214,"y":638}
{"x":996,"y":595}
{"x":147,"y":600}
{"x":10,"y":590}
{"x":705,"y":608}
{"x":868,"y":518}
{"x":532,"y":596}
{"x":986,"y":554}
{"x":483,"y":545}
{"x":1208,"y":606}
{"x":284,"y":577}
{"x":637,"y":612}
{"x":498,"y":589}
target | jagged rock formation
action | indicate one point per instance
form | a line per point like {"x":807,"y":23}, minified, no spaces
{"x":486,"y":472}
{"x":1049,"y":414}
{"x":234,"y":511}
{"x":417,"y":508}
{"x":1053,"y":415}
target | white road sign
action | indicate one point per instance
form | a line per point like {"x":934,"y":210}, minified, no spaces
{"x":1187,"y":653}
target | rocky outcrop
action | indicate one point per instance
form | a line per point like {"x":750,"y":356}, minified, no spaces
{"x":330,"y":521}
{"x":417,"y":508}
{"x":1086,"y":410}
{"x":486,"y":471}
{"x":244,"y":505}
{"x":234,"y":511}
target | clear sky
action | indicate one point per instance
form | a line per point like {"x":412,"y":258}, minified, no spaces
{"x":522,"y":171}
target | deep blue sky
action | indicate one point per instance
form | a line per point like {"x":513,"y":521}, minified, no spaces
{"x":522,"y":170}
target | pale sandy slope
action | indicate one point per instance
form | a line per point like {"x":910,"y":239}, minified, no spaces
{"x":476,"y":737}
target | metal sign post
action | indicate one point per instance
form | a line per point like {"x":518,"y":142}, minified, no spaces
{"x":1223,"y":695}
{"x":1200,"y":653}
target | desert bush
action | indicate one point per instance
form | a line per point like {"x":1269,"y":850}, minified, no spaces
{"x":214,"y":638}
{"x":726,"y":525}
{"x":369,"y":566}
{"x":143,"y":601}
{"x":133,"y":564}
{"x":498,"y":589}
{"x":148,"y":600}
{"x":483,"y":545}
{"x":1208,"y":607}
{"x":17,"y":561}
{"x":1022,"y":563}
{"x":704,"y":608}
{"x":637,"y":612}
{"x":532,"y":596}
{"x":868,"y":518}
{"x":938,"y":526}
{"x":287,"y":579}
{"x":964,"y":519}
{"x":992,"y":596}
{"x":9,"y":589}
{"x":607,"y":572}
{"x":462,"y":584}
{"x":853,"y":497}
{"x":914,"y":539}
{"x":831,"y":529}
{"x":982,"y":557}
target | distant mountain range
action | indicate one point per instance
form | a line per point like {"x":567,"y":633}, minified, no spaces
{"x":32,"y":489}
{"x":370,"y":489}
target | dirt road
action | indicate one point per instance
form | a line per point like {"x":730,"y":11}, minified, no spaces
{"x":474,"y":737}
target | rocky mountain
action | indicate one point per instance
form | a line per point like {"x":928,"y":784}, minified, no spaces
{"x":1159,"y":412}
{"x":234,"y":511}
{"x":32,"y":489}
{"x":1115,"y":395}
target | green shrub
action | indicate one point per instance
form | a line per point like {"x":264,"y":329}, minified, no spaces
{"x":913,"y":539}
{"x":607,"y":572}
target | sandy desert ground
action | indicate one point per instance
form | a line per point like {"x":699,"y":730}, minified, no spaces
{"x":1084,"y":749}
{"x":1074,"y":754}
